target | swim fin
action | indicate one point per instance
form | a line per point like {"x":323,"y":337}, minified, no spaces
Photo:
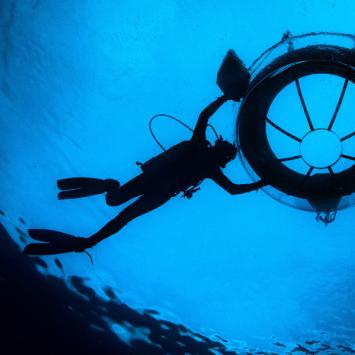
{"x":82,"y":187}
{"x":45,"y":249}
{"x":55,"y":242}
{"x":50,"y":236}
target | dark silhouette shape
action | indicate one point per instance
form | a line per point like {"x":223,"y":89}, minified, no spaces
{"x":110,"y":293}
{"x":220,"y":338}
{"x":346,"y":349}
{"x":56,"y":320}
{"x":311,"y":342}
{"x":300,"y":348}
{"x":41,"y":314}
{"x":326,"y":217}
{"x":82,"y":187}
{"x":22,"y":235}
{"x":233,"y":78}
{"x":20,"y":231}
{"x":280,"y":344}
{"x":180,"y":169}
{"x":59,"y":265}
{"x":55,"y":242}
{"x":23,"y":239}
{"x":38,"y":261}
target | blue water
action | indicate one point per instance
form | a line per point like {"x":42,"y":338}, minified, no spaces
{"x":79,"y":81}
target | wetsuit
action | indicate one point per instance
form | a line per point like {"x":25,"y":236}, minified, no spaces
{"x":181,"y":167}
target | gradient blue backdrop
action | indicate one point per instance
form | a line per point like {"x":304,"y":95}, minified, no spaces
{"x":79,"y":81}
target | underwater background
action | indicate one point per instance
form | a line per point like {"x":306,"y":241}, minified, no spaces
{"x":79,"y":81}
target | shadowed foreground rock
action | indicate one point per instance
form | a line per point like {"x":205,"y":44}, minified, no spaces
{"x":41,"y":315}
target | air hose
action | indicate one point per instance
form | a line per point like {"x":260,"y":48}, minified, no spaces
{"x":177,"y":120}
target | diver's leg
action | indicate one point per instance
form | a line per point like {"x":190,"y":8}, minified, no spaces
{"x":131,"y":189}
{"x":142,"y":205}
{"x":55,"y":242}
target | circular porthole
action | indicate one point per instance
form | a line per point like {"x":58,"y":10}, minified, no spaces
{"x":296,"y":128}
{"x":321,"y":148}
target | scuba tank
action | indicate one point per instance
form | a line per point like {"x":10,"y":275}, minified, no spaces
{"x":170,"y":159}
{"x":170,"y":163}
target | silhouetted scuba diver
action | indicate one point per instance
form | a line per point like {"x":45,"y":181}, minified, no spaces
{"x":180,"y":169}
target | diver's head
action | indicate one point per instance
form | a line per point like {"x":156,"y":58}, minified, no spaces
{"x":223,"y":152}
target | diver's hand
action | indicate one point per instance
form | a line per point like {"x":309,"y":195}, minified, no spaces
{"x":262,"y":183}
{"x":228,"y":97}
{"x":223,"y":98}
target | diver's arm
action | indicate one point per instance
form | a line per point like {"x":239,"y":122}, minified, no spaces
{"x":220,"y":179}
{"x":201,"y":125}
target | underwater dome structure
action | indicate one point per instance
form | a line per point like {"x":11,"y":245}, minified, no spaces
{"x":307,"y":156}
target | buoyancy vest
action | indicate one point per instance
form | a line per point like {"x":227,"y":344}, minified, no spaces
{"x":182,"y":167}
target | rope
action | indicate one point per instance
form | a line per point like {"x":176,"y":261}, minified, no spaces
{"x":287,"y":37}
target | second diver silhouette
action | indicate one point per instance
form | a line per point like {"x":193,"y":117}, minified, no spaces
{"x":179,"y":169}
